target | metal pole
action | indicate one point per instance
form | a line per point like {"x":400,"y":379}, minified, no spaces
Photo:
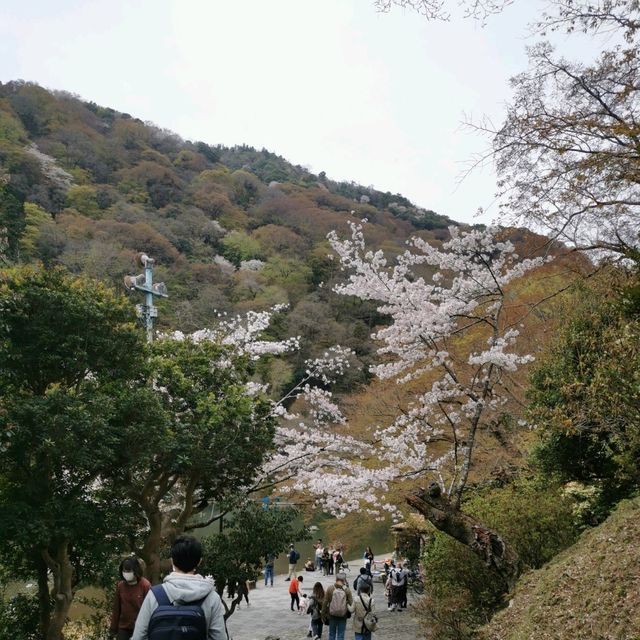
{"x":148,"y":283}
{"x":147,"y":312}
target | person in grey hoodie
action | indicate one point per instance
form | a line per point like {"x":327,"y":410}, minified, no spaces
{"x":182,"y":586}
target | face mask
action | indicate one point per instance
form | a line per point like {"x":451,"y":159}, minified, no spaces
{"x":129,"y":576}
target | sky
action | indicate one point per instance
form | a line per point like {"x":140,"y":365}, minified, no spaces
{"x":332,"y":85}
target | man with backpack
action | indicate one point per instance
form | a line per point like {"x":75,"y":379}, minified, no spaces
{"x":365,"y":621}
{"x":185,"y":605}
{"x":337,"y":607}
{"x":397,"y":578}
{"x":363,"y":579}
{"x":293,"y":556}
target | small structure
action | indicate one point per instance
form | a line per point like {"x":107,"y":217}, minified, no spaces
{"x":147,"y":312}
{"x":410,"y":538}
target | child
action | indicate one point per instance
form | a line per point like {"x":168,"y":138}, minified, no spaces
{"x":130,"y":593}
{"x":303,"y":604}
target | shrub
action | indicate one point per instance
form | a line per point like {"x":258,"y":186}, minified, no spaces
{"x":19,"y":617}
{"x":585,"y":394}
{"x":462,"y":592}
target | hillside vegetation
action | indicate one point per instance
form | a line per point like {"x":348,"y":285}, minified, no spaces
{"x":591,"y":590}
{"x":231,"y":229}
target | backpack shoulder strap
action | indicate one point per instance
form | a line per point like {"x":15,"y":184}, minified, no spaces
{"x":368,"y":610}
{"x":161,"y":596}
{"x":163,"y":599}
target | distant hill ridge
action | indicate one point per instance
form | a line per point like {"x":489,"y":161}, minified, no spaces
{"x":34,"y":106}
{"x":231,"y":229}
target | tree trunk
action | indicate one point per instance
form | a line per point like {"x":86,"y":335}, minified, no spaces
{"x":489,"y":545}
{"x":44,"y":597}
{"x":62,"y":570}
{"x":150,"y":552}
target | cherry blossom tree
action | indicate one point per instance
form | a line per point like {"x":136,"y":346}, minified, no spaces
{"x":466,"y":296}
{"x":308,"y":433}
{"x":226,"y":440}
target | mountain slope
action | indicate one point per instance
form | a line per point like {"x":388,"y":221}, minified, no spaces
{"x":231,"y":229}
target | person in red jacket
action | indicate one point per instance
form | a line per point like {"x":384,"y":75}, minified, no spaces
{"x":130,"y":593}
{"x":294,"y":591}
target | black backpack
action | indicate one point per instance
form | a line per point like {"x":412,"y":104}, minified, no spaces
{"x":176,"y":621}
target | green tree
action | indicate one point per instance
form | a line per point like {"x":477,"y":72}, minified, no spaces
{"x":12,"y":218}
{"x":215,"y":438}
{"x":238,"y":246}
{"x":585,"y":393}
{"x":253,"y":533}
{"x":69,"y":359}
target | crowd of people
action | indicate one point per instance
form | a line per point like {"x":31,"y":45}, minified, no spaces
{"x":335,"y":606}
{"x":138,"y":605}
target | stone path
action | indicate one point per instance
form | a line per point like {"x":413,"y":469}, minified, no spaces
{"x":269,"y":612}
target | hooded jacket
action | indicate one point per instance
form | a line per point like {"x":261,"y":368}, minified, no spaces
{"x":183,"y":588}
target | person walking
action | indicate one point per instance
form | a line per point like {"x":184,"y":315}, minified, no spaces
{"x":293,"y":556}
{"x":363,"y":579}
{"x":404,"y":587}
{"x":268,"y":569}
{"x":363,"y":604}
{"x":183,"y":587}
{"x":294,"y":591}
{"x":318,"y":555}
{"x":368,"y":560}
{"x":314,"y":608}
{"x":325,"y":561}
{"x":131,"y":591}
{"x":337,"y":606}
{"x":388,"y":591}
{"x":397,"y":582}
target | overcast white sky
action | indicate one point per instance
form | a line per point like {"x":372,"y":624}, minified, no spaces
{"x":330,"y":84}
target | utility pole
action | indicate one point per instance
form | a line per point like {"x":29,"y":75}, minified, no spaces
{"x":147,"y":312}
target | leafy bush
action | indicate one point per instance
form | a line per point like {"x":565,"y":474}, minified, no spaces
{"x":462,"y":592}
{"x":585,"y":395}
{"x":19,"y":617}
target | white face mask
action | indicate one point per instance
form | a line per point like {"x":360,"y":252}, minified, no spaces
{"x":129,"y":576}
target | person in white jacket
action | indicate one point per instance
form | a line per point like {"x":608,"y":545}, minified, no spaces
{"x":183,"y":586}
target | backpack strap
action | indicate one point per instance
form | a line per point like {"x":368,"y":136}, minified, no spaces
{"x":161,"y":596}
{"x":364,"y":626}
{"x":163,"y":599}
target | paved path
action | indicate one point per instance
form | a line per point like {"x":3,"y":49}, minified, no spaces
{"x":269,"y":612}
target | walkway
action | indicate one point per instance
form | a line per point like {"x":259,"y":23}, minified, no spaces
{"x":269,"y":612}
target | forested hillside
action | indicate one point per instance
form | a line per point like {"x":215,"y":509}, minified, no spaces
{"x":231,"y":229}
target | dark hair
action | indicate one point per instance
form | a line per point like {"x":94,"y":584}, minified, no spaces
{"x":300,"y":578}
{"x":186,"y":553}
{"x":318,"y":592}
{"x":364,"y":588}
{"x":131,"y":564}
{"x":363,"y":570}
